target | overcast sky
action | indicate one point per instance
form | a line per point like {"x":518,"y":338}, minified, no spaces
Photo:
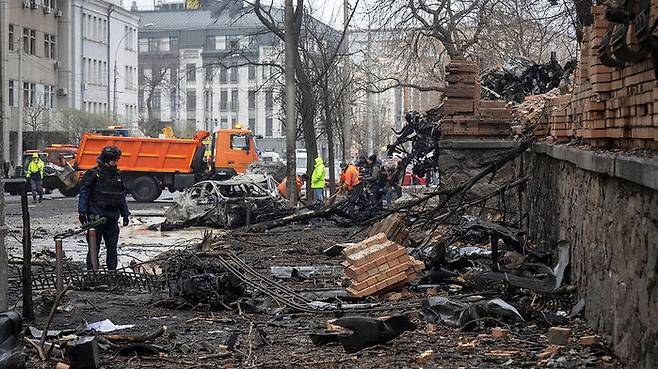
{"x":329,"y":11}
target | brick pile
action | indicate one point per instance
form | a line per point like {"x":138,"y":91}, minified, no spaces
{"x":465,"y":113}
{"x":609,"y":106}
{"x":393,"y":227}
{"x":377,"y":265}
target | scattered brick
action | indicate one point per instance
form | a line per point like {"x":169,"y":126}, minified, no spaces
{"x":559,"y":336}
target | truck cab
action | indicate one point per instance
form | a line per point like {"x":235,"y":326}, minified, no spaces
{"x":232,"y":152}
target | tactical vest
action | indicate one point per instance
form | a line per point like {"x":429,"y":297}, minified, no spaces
{"x":109,"y":191}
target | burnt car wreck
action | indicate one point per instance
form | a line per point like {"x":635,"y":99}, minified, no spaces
{"x":235,"y":202}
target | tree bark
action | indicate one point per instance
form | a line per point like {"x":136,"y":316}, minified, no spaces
{"x":291,"y":100}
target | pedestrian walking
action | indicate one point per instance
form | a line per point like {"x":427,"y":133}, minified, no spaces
{"x":34,"y":174}
{"x":103,"y":195}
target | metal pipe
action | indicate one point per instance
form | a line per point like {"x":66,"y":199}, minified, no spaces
{"x":59,"y":264}
{"x":93,"y":250}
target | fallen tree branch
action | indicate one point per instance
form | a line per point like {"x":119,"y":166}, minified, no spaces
{"x":141,"y":338}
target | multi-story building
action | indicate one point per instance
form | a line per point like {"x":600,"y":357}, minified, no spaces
{"x":55,"y":54}
{"x":208,"y":69}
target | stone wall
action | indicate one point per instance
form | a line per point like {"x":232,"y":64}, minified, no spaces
{"x":606,"y":207}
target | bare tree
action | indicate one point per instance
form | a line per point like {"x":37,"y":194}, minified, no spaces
{"x":316,"y":42}
{"x":76,"y":123}
{"x":34,"y":119}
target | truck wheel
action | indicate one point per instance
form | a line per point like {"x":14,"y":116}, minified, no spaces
{"x":146,"y":189}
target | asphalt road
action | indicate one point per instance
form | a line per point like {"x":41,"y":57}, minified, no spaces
{"x":54,"y":215}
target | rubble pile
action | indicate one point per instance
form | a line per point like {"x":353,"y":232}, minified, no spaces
{"x":533,"y":112}
{"x":464,"y":113}
{"x":197,"y":280}
{"x":521,"y":77}
{"x":377,"y":264}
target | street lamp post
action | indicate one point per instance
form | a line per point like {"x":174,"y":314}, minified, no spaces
{"x":114,"y":103}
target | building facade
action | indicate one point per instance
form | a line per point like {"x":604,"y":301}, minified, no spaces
{"x":55,"y":55}
{"x":210,"y":69}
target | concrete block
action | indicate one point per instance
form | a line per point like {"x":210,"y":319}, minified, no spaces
{"x":638,"y":170}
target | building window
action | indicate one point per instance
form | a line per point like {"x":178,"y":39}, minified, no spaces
{"x":49,"y":96}
{"x":173,"y":43}
{"x":190,"y":72}
{"x":29,"y":91}
{"x":233,"y":42}
{"x":173,"y":75}
{"x":49,"y":4}
{"x":269,"y":101}
{"x":140,"y":100}
{"x":223,"y":100}
{"x":235,"y":102}
{"x":173,"y":100}
{"x":263,"y":70}
{"x":222,"y":74}
{"x":11,"y":37}
{"x":252,"y":72}
{"x":156,"y":101}
{"x":29,"y":41}
{"x":154,"y":44}
{"x":234,"y":74}
{"x":11,"y":93}
{"x":49,"y":46}
{"x":210,"y":72}
{"x":268,"y":127}
{"x":220,"y":42}
{"x":191,"y":100}
{"x":234,"y":121}
{"x":252,"y":125}
{"x":208,"y":100}
{"x":252,"y":100}
{"x":224,"y":123}
{"x":210,"y":43}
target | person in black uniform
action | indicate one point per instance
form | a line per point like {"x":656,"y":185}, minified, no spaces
{"x":103,"y":195}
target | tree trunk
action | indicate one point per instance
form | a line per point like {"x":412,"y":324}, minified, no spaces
{"x":329,"y":129}
{"x":291,"y":100}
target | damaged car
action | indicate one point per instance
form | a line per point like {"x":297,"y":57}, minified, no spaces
{"x":238,"y":201}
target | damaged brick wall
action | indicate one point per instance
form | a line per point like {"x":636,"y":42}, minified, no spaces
{"x":610,"y":105}
{"x":612,"y":227}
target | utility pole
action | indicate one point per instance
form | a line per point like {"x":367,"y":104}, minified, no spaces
{"x":20,"y":89}
{"x":291,"y":108}
{"x":114,"y":110}
{"x":347,"y":109}
{"x":4,"y":125}
{"x":110,"y":9}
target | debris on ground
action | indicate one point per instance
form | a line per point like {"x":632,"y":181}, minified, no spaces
{"x":355,"y":333}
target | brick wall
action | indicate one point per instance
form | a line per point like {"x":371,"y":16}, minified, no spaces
{"x":609,"y":106}
{"x":465,"y":114}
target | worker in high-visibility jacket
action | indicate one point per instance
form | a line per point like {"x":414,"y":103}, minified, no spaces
{"x":282,"y":187}
{"x":350,"y":180}
{"x":34,"y":173}
{"x":318,"y":180}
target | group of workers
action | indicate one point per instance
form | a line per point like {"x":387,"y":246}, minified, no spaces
{"x":368,"y":179}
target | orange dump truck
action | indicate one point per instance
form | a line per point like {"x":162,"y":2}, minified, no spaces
{"x":149,"y":165}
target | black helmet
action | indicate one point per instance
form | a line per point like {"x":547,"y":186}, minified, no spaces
{"x":110,"y":153}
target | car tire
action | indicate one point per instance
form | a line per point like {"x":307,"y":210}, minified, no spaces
{"x":146,"y":189}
